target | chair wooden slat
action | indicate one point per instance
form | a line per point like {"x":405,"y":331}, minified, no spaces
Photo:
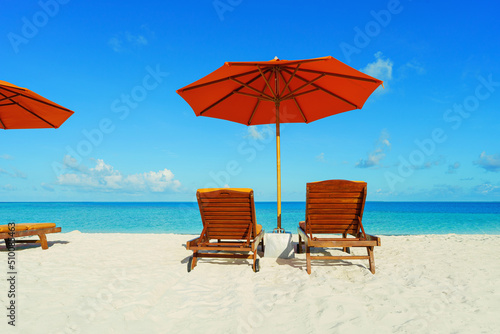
{"x":340,"y":206}
{"x":325,"y":200}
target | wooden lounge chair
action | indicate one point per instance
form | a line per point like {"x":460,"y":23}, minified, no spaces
{"x":336,"y":207}
{"x":229,"y":226}
{"x":27,"y":229}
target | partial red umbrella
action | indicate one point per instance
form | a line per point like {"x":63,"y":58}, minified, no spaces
{"x":20,"y":108}
{"x":279,"y":91}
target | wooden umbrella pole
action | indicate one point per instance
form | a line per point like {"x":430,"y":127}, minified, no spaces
{"x":278,"y":163}
{"x":278,"y":154}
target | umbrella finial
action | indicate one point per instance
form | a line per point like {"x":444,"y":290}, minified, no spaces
{"x":276,"y":58}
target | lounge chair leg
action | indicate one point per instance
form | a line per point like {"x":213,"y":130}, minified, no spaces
{"x":299,"y":247}
{"x":308,"y":260}
{"x":346,"y":249}
{"x":255,"y":265}
{"x":195,"y":259}
{"x":43,"y":240}
{"x":262,"y":244}
{"x":372,"y":259}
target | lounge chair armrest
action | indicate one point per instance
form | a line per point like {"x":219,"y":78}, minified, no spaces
{"x":372,"y":237}
{"x":257,"y":240}
{"x":192,"y":243}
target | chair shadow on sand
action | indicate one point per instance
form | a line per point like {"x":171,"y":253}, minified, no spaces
{"x":294,"y":262}
{"x":224,"y":262}
{"x":300,"y":263}
{"x":22,"y":247}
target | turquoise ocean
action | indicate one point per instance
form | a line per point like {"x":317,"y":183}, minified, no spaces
{"x":382,"y":218}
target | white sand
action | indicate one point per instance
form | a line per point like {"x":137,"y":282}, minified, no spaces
{"x":133,"y":283}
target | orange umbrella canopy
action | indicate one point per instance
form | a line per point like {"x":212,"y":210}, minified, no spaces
{"x":21,"y":108}
{"x":304,"y":90}
{"x":279,"y":91}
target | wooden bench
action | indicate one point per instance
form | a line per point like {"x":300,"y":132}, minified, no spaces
{"x":27,"y":229}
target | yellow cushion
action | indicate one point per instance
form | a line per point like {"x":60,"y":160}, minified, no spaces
{"x":302,"y":225}
{"x":36,"y":226}
{"x":206,"y":190}
{"x":259,"y":228}
{"x":338,"y":180}
{"x":27,"y":226}
{"x":19,"y":227}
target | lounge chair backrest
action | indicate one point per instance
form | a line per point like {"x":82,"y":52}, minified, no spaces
{"x":227,"y":213}
{"x":335,"y":206}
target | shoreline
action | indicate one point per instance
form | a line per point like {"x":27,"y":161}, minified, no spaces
{"x":294,"y":234}
{"x":101,"y":282}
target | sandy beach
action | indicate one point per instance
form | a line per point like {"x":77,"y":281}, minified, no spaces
{"x":138,"y":283}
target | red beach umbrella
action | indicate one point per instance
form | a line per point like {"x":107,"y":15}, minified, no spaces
{"x":279,"y":91}
{"x":20,"y":108}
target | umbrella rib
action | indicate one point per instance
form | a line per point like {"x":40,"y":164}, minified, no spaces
{"x":290,"y":96}
{"x":300,"y":109}
{"x":260,"y":97}
{"x":17,"y":103}
{"x":253,"y":112}
{"x":269,"y":78}
{"x":267,"y":82}
{"x":251,"y":88}
{"x":353,"y":77}
{"x":3,"y":125}
{"x":44,"y":120}
{"x":6,"y":104}
{"x":310,"y":82}
{"x":296,"y":102}
{"x":7,"y":98}
{"x":217,"y":81}
{"x":291,"y":78}
{"x":216,"y":103}
{"x":53,"y":105}
{"x":228,"y":95}
{"x":328,"y":92}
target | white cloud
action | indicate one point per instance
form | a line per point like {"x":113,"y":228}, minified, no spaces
{"x":136,"y":39}
{"x":124,"y":41}
{"x":9,"y":187}
{"x":72,"y":164}
{"x":253,"y":132}
{"x":103,"y":177}
{"x":264,"y":134}
{"x":15,"y":174}
{"x":46,"y":186}
{"x":490,"y":163}
{"x":115,"y":44}
{"x":381,"y":69}
{"x":414,"y":66}
{"x":6,"y":157}
{"x":321,"y":157}
{"x":486,"y":188}
{"x":426,"y":165}
{"x":452,"y":169}
{"x":18,"y":174}
{"x":379,"y":153}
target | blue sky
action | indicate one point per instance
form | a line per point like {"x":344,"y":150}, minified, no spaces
{"x":431,"y":135}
